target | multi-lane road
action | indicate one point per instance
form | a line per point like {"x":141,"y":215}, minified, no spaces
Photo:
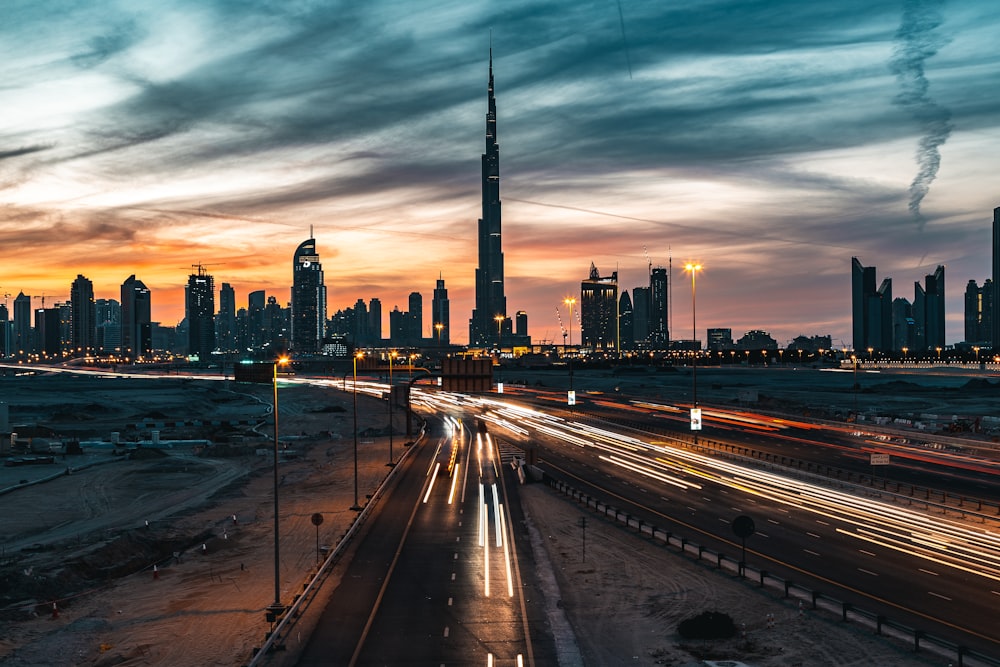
{"x":932,"y":571}
{"x":440,"y":578}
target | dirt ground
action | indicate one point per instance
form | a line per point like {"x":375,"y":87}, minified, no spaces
{"x":206,"y":607}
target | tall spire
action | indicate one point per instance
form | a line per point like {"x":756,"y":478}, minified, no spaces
{"x":490,"y":299}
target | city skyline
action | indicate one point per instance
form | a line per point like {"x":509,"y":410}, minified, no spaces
{"x":771,"y":144}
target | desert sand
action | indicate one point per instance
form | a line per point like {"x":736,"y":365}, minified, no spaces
{"x":82,"y":539}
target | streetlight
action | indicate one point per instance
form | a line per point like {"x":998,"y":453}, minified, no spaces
{"x":499,"y":320}
{"x":571,"y":396}
{"x":357,"y":355}
{"x":392,"y":355}
{"x":693,"y":269}
{"x":276,"y":607}
{"x":439,"y":327}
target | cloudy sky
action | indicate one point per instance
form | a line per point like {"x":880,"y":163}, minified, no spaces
{"x":771,"y":140}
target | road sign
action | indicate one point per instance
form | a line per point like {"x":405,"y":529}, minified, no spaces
{"x":880,"y":459}
{"x":695,"y":419}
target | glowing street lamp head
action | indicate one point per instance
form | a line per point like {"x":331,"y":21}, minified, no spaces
{"x":283,"y":361}
{"x":569,"y":301}
{"x":360,"y":354}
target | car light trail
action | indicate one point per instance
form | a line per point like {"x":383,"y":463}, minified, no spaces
{"x":430,"y":483}
{"x":506,"y":551}
{"x":454,"y":484}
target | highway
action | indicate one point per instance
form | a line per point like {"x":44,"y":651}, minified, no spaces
{"x":438,"y":579}
{"x":932,"y":572}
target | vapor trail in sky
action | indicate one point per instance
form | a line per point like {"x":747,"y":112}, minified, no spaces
{"x":916,"y":41}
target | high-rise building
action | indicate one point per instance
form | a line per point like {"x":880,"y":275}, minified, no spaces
{"x":928,"y":310}
{"x":375,"y":320}
{"x":256,"y":336}
{"x":978,"y":313}
{"x":83,"y":317}
{"x":108,"y":315}
{"x":6,"y":340}
{"x":626,"y":322}
{"x":200,"y":308}
{"x":225,"y":321}
{"x":415,"y":319}
{"x":871,"y":309}
{"x":659,"y":325}
{"x":599,"y":311}
{"x":640,"y":314}
{"x":23,"y":343}
{"x":137,"y":327}
{"x":490,"y":299}
{"x":47,"y":332}
{"x":904,"y":326}
{"x":995,"y":292}
{"x":308,"y":300}
{"x":440,"y":313}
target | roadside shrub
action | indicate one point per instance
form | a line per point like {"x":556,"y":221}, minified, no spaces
{"x":707,"y":625}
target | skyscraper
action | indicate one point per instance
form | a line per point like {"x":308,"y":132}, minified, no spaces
{"x":23,"y":343}
{"x":83,"y":316}
{"x":308,"y":300}
{"x":137,"y":328}
{"x":871,"y":309}
{"x":109,"y":325}
{"x":659,"y":331}
{"x":225,"y":322}
{"x":200,"y":307}
{"x":928,"y":310}
{"x":5,"y":337}
{"x":640,"y":314}
{"x":599,"y":311}
{"x":490,"y":299}
{"x":440,"y":316}
{"x":995,"y":292}
{"x":626,"y":322}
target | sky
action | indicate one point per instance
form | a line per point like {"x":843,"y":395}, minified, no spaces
{"x":769,"y":140}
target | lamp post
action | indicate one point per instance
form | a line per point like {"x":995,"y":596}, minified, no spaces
{"x":439,"y":327}
{"x":693,"y":269}
{"x":392,"y":355}
{"x":276,"y":607}
{"x":499,"y":320}
{"x":571,"y":396}
{"x":357,"y":355}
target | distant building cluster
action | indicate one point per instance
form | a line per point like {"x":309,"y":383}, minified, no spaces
{"x":883,"y":323}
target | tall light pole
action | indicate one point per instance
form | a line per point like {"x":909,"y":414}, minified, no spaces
{"x":276,"y":607}
{"x":693,"y":269}
{"x":356,"y":506}
{"x":499,"y":320}
{"x":571,"y":396}
{"x":439,"y":327}
{"x":392,"y":355}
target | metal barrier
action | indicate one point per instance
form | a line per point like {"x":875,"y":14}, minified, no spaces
{"x":847,"y":611}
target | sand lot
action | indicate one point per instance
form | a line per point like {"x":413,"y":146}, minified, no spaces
{"x":81,"y":542}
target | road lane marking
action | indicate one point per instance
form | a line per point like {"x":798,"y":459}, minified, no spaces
{"x":813,"y":535}
{"x":811,"y":553}
{"x":867,"y":553}
{"x":776,"y":523}
{"x":933,"y":574}
{"x":861,"y":569}
{"x":938,"y":595}
{"x":823,"y":523}
{"x":453,"y":576}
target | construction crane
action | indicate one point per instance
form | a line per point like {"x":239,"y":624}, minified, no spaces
{"x":201,"y":268}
